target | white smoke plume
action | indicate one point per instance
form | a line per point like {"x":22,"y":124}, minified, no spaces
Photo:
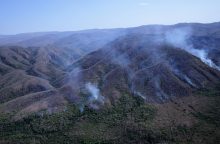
{"x":203,"y":55}
{"x":183,"y":76}
{"x":179,"y":38}
{"x":93,"y":97}
{"x":95,"y":93}
{"x":140,"y":94}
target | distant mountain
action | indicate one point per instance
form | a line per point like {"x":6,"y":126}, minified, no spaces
{"x":61,"y":38}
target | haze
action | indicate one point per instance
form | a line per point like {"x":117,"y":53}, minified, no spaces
{"x":20,"y":16}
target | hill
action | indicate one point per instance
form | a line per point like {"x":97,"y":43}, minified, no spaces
{"x":149,"y":84}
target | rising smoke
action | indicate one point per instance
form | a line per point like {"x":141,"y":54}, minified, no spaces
{"x":123,"y":55}
{"x":95,"y":98}
{"x":179,"y":38}
{"x":94,"y":91}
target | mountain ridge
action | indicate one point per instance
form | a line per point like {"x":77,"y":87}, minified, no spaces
{"x":53,"y":63}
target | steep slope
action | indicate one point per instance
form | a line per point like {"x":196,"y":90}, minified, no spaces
{"x":14,"y":57}
{"x":154,"y":71}
{"x":156,"y":63}
{"x":18,"y":83}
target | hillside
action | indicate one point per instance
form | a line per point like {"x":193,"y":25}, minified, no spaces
{"x":150,"y":84}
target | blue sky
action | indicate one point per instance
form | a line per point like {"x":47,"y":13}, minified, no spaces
{"x":19,"y":16}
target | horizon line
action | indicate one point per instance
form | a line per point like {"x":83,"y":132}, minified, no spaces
{"x":110,"y":28}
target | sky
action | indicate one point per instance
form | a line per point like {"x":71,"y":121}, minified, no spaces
{"x":21,"y":16}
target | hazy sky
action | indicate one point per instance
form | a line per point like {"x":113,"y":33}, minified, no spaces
{"x":18,"y":16}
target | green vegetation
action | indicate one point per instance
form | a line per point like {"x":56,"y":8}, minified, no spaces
{"x":208,"y":126}
{"x":211,"y":92}
{"x":129,"y":120}
{"x":211,"y":114}
{"x":107,"y":125}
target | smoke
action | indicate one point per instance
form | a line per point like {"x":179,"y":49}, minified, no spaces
{"x":75,"y":75}
{"x":188,"y":80}
{"x":95,"y":98}
{"x":122,"y":60}
{"x":183,"y":77}
{"x":140,"y":94}
{"x":70,"y":85}
{"x":179,"y":38}
{"x":159,"y":92}
{"x":119,"y":58}
{"x":94,"y":91}
{"x":203,"y":55}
